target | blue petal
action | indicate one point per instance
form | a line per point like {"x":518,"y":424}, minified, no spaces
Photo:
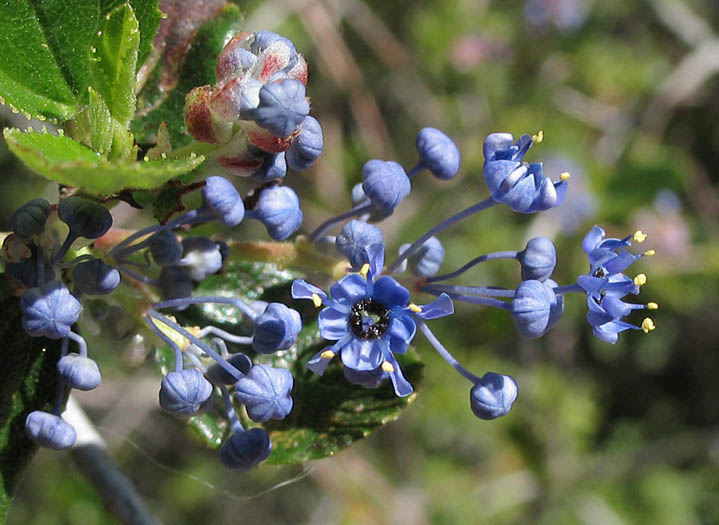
{"x":318,"y":364}
{"x":333,"y":324}
{"x":592,"y":239}
{"x":402,"y":387}
{"x":401,"y":331}
{"x":390,"y":293}
{"x":362,"y":354}
{"x":304,"y":290}
{"x":621,"y":262}
{"x":375,"y":256}
{"x":440,"y":307}
{"x":350,"y":289}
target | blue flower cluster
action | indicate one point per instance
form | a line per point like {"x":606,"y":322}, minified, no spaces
{"x":259,"y":115}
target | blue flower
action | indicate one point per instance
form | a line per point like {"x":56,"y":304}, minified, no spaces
{"x":521,"y":186}
{"x":425,"y":262}
{"x":606,"y":285}
{"x":265,"y":392}
{"x":370,"y":319}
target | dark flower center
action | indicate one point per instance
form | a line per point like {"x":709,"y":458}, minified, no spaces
{"x":368,"y":319}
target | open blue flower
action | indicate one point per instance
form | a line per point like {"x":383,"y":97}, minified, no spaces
{"x":370,"y":318}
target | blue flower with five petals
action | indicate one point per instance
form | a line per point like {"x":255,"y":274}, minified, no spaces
{"x":370,"y":318}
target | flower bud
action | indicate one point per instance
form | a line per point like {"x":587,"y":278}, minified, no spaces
{"x":30,"y":218}
{"x":273,"y":168}
{"x":220,"y":196}
{"x":184,"y":393}
{"x":279,"y":210}
{"x":49,"y":310}
{"x":538,"y":259}
{"x":307,"y":146}
{"x":534,"y":308}
{"x":94,"y":277}
{"x":276,"y":328}
{"x":219,"y":375}
{"x":425,"y":262}
{"x":166,"y":250}
{"x":49,"y":431}
{"x":283,"y":107}
{"x":386,"y":184}
{"x":438,"y":153}
{"x":84,"y":217}
{"x":200,"y":257}
{"x":245,"y":450}
{"x":79,"y":372}
{"x":492,"y":396}
{"x":353,"y":240}
{"x":265,"y":392}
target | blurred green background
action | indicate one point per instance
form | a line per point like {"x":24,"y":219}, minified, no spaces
{"x":627,"y":94}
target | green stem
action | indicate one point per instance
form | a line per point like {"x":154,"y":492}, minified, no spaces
{"x":298,"y":254}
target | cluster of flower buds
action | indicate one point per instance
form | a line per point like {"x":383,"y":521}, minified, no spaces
{"x":34,"y":262}
{"x":201,"y":368}
{"x":259,"y":115}
{"x":258,"y":110}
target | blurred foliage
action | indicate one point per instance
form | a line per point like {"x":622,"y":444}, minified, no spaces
{"x":600,"y":433}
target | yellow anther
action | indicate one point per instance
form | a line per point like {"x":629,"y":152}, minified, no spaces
{"x":648,"y":325}
{"x":364,"y":270}
{"x":640,"y":280}
{"x":388,"y":367}
{"x":652,"y":306}
{"x":327,"y":354}
{"x":539,"y":137}
{"x":316,"y":300}
{"x":416,"y":309}
{"x":565,"y":175}
{"x":649,"y":253}
{"x":639,"y":236}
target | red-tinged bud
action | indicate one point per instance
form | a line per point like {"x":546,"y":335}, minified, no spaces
{"x":299,"y":70}
{"x":225,"y":101}
{"x":275,"y":58}
{"x":233,"y":58}
{"x":264,"y":140}
{"x":200,"y":122}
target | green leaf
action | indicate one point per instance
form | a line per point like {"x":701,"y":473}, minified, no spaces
{"x":162,"y":98}
{"x":329,"y":413}
{"x":113,"y":62}
{"x":28,"y":381}
{"x":45,"y":51}
{"x":63,"y":160}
